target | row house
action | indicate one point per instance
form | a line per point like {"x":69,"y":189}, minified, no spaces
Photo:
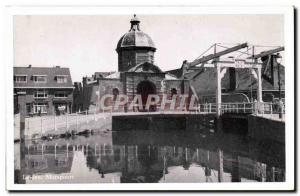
{"x":42,"y":90}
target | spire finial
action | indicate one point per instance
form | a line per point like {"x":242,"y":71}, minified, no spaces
{"x":135,"y":23}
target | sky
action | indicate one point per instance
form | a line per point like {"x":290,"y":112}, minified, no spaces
{"x":86,"y":44}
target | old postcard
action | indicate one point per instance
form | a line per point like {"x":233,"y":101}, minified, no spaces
{"x":151,"y":98}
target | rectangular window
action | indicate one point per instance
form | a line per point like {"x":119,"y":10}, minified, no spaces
{"x":60,"y":94}
{"x":20,"y":78}
{"x":40,"y":108}
{"x":41,"y":93}
{"x":40,"y":79}
{"x":61,"y":79}
{"x":28,"y":108}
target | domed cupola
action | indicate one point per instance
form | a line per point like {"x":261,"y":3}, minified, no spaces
{"x":134,"y":47}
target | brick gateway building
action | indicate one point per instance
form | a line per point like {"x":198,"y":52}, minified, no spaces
{"x":137,"y":74}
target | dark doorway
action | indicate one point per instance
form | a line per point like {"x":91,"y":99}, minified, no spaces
{"x":144,"y":89}
{"x":173,"y":92}
{"x":115,"y":93}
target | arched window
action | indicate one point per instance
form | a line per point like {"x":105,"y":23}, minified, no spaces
{"x":115,"y":92}
{"x":173,"y":92}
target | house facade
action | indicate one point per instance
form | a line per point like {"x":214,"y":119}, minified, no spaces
{"x":42,"y":90}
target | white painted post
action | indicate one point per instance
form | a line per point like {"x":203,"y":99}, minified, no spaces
{"x":136,"y":151}
{"x":67,"y":150}
{"x":76,"y":121}
{"x":67,"y":121}
{"x":209,"y":107}
{"x":219,"y":88}
{"x":86,"y":116}
{"x":220,"y":166}
{"x":87,"y":149}
{"x":255,"y":107}
{"x":95,"y":149}
{"x":42,"y":150}
{"x":28,"y":126}
{"x":149,"y":152}
{"x":259,"y":87}
{"x":259,"y":92}
{"x":186,"y":154}
{"x":55,"y":151}
{"x":174,"y":150}
{"x":104,"y":150}
{"x":41,"y":125}
{"x":271,"y":110}
{"x":218,"y":94}
{"x":55,"y":127}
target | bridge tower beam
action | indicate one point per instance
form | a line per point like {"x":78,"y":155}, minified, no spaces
{"x":259,"y":86}
{"x":219,"y":91}
{"x":219,"y":86}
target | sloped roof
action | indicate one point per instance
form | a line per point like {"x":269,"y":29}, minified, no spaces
{"x":50,"y":72}
{"x":146,"y":67}
{"x":114,"y":75}
{"x":175,"y":72}
{"x":102,"y":74}
{"x":169,"y":76}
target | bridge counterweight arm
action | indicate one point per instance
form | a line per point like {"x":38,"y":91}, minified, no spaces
{"x":218,"y":54}
{"x":266,"y":53}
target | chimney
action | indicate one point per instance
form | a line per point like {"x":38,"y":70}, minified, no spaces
{"x":57,"y":66}
{"x":29,"y":66}
{"x":84,"y":81}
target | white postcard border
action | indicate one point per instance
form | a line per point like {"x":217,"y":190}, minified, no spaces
{"x":288,"y":13}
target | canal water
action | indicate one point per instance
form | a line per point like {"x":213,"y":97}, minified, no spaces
{"x":164,"y":156}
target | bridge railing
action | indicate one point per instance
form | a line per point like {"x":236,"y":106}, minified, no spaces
{"x":206,"y":108}
{"x":83,"y":119}
{"x":237,"y":108}
{"x":266,"y":109}
{"x":271,"y":110}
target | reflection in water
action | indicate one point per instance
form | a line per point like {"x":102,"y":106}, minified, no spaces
{"x":138,"y":156}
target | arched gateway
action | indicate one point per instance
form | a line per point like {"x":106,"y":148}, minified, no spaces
{"x":146,"y":88}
